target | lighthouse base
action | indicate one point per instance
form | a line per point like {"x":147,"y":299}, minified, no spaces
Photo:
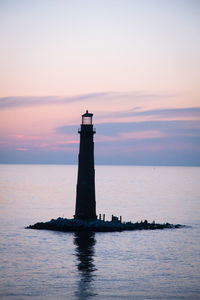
{"x":84,"y":218}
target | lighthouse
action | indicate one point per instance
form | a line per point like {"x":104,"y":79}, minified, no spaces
{"x":85,"y":190}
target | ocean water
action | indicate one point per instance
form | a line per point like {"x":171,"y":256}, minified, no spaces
{"x":160,"y":264}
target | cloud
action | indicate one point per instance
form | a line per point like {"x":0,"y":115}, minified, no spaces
{"x":67,"y":142}
{"x":134,"y":136}
{"x":158,"y":113}
{"x":22,"y":149}
{"x":174,"y":128}
{"x":172,"y":112}
{"x":141,"y":135}
{"x":13,"y":102}
{"x":140,"y":143}
{"x":174,"y":120}
{"x":167,"y":142}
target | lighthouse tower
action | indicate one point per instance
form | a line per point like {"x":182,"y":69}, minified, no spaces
{"x":85,"y":193}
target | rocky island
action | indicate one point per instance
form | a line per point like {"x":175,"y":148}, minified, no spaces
{"x":72,"y":225}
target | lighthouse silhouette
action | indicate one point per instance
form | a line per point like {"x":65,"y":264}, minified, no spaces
{"x":85,"y":190}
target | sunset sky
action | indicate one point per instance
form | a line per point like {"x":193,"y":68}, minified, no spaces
{"x":134,"y":64}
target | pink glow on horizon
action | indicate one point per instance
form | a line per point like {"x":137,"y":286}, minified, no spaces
{"x":39,"y":127}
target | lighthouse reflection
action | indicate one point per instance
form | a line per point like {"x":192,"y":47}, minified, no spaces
{"x":85,"y":242}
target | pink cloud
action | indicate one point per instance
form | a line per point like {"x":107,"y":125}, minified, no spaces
{"x":64,"y":149}
{"x":67,"y":142}
{"x":22,"y":149}
{"x":27,"y":137}
{"x":19,"y":136}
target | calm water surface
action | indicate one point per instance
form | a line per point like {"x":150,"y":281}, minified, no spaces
{"x":128,"y":265}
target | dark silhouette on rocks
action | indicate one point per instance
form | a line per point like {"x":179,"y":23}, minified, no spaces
{"x":74,"y":225}
{"x":85,"y":192}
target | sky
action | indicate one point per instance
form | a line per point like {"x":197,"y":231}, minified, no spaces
{"x":135,"y":64}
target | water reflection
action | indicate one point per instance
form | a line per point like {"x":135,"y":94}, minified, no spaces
{"x":85,"y":242}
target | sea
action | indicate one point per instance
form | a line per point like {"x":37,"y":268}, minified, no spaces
{"x":146,"y":264}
